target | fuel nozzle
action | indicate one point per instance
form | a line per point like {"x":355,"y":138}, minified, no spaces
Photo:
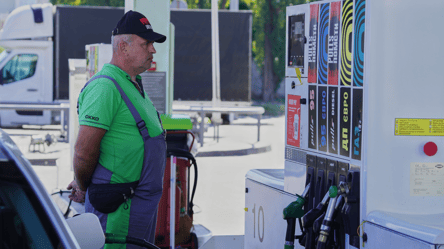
{"x":312,"y":215}
{"x":336,"y":196}
{"x":291,"y":213}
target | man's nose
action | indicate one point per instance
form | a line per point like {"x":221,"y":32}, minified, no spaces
{"x":151,"y":49}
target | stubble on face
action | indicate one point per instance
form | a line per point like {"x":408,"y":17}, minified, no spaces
{"x":140,"y":55}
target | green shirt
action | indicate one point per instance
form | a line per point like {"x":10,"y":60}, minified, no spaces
{"x":101,"y":105}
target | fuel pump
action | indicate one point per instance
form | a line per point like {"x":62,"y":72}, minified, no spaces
{"x":357,"y":121}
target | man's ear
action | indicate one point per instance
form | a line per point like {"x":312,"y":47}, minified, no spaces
{"x":123,"y":46}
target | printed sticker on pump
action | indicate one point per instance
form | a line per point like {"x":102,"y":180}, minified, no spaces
{"x":312,"y":131}
{"x":332,"y":130}
{"x":427,"y":179}
{"x":323,"y":43}
{"x":313,"y":44}
{"x":322,"y":118}
{"x":333,"y":43}
{"x":419,"y":127}
{"x":294,"y":120}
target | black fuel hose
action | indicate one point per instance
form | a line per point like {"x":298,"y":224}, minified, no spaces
{"x":70,"y":201}
{"x":111,"y":238}
{"x":61,"y":192}
{"x":289,"y":235}
{"x":190,"y":211}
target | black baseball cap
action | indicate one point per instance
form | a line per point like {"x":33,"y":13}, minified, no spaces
{"x":135,"y":23}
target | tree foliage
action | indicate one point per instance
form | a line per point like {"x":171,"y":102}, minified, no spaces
{"x":269,"y":33}
{"x":113,"y":3}
{"x":269,"y":18}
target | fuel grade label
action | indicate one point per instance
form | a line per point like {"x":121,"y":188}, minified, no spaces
{"x":419,"y":127}
{"x":426,"y":179}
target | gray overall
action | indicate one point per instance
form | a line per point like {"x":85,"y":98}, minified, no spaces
{"x":144,"y":204}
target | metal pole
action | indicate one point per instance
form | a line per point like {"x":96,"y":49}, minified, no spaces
{"x":172,"y":200}
{"x":215,"y":51}
{"x":62,"y":121}
{"x":202,"y":127}
{"x":259,"y":127}
{"x":234,"y":5}
{"x":67,"y":126}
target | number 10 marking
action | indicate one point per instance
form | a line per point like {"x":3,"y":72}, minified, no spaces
{"x":259,"y":216}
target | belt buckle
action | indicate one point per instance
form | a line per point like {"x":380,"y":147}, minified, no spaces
{"x":141,"y":126}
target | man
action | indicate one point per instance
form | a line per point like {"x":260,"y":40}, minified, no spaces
{"x":110,"y":148}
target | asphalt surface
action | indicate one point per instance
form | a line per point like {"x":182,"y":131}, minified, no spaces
{"x":222,"y":166}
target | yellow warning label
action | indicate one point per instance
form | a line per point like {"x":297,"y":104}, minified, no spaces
{"x":419,"y":127}
{"x":298,"y":73}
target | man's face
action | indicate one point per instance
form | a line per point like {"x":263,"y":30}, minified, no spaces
{"x":140,"y":53}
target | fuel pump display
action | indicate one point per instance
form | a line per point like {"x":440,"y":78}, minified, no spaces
{"x":297,"y":41}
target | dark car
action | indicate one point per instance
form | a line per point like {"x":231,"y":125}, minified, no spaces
{"x":29,"y":217}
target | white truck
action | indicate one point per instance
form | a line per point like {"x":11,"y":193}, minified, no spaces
{"x":38,"y":40}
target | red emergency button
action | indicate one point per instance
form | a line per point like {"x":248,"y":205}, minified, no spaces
{"x":430,"y":149}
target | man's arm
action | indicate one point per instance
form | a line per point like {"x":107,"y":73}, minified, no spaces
{"x":86,"y":154}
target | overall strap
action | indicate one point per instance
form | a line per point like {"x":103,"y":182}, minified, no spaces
{"x":139,"y":121}
{"x":160,"y":120}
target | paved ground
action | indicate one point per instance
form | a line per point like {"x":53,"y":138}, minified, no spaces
{"x":220,"y":194}
{"x":221,"y":182}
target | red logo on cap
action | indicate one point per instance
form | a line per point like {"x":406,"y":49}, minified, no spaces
{"x":144,"y":21}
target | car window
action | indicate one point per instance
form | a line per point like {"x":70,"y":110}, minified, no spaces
{"x":12,"y":231}
{"x":20,"y":67}
{"x":23,"y":220}
{"x":20,"y":223}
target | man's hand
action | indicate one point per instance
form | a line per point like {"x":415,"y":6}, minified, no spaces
{"x":76,"y":195}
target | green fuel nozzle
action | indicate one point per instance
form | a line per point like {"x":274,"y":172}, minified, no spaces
{"x":293,"y":211}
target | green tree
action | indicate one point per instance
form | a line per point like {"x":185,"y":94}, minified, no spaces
{"x":199,"y":4}
{"x":113,"y":3}
{"x":223,"y":4}
{"x":65,"y":2}
{"x":268,"y":36}
{"x":269,"y":41}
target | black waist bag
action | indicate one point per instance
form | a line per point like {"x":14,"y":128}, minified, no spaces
{"x":107,"y":198}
